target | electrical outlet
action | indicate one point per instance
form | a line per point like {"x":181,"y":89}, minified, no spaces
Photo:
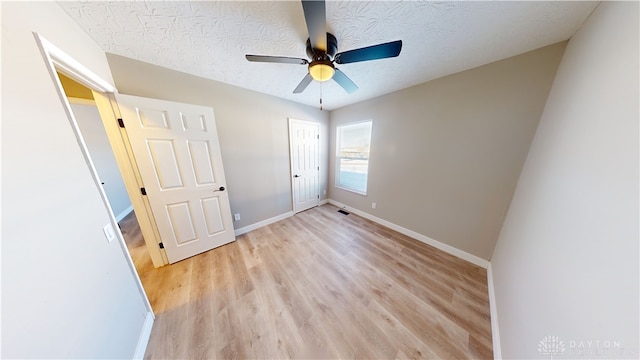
{"x":373,"y":205}
{"x":236,"y":217}
{"x":324,"y":192}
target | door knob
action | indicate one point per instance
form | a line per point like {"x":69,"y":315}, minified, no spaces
{"x":296,"y":175}
{"x":220,"y":189}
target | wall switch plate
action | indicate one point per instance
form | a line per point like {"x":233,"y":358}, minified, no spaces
{"x":373,"y":205}
{"x":236,"y":217}
{"x":109,"y":233}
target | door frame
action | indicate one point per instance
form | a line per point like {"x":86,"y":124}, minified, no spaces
{"x":110,"y":113}
{"x":58,"y":61}
{"x":293,"y":187}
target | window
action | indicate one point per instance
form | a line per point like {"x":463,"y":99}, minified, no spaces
{"x":352,"y":155}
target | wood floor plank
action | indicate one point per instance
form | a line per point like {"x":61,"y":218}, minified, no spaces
{"x":317,"y":285}
{"x":285,"y":339}
{"x":202,"y":332}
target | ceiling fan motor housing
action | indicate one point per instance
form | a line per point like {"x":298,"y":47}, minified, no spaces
{"x":317,"y":54}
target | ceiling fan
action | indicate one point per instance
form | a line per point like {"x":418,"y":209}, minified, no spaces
{"x":322,"y":48}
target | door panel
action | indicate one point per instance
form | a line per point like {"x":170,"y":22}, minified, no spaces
{"x":151,"y":118}
{"x":165,"y":163}
{"x":304,"y":139}
{"x":212,"y":211}
{"x":202,"y":164}
{"x":181,"y":222}
{"x":177,"y":151}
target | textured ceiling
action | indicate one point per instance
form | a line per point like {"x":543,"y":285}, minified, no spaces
{"x":210,"y":38}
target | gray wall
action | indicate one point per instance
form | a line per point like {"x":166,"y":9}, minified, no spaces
{"x":66,"y":291}
{"x":446,"y":154}
{"x":102,"y":156}
{"x":566,"y":262}
{"x":253,"y":132}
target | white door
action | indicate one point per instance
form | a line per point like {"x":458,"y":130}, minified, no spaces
{"x":177,"y":151}
{"x":305,"y":171}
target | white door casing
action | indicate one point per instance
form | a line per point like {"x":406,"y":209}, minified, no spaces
{"x":305,"y":171}
{"x":177,"y":152}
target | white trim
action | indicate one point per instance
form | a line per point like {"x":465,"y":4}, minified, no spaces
{"x":323,"y":201}
{"x":72,"y":68}
{"x":145,"y":334}
{"x":246,"y":229}
{"x":427,"y":240}
{"x":124,"y":213}
{"x":493,"y":310}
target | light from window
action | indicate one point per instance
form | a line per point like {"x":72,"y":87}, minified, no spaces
{"x":352,"y":156}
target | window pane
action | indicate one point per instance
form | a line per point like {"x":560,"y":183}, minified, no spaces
{"x":353,"y":156}
{"x":353,"y":174}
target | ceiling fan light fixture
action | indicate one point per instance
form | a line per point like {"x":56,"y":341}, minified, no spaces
{"x":321,"y":70}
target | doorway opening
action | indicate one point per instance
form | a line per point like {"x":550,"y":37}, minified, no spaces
{"x":94,"y":135}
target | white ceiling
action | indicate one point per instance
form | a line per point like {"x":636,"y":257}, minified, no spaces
{"x":210,"y":38}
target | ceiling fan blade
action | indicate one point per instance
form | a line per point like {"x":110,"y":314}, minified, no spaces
{"x":276,"y":59}
{"x":374,"y":52}
{"x":346,"y":83}
{"x":315,"y":17}
{"x":303,"y":84}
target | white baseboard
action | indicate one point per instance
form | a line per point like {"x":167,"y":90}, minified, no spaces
{"x":427,"y":240}
{"x":493,"y":309}
{"x":145,"y":334}
{"x":324,"y":201}
{"x":124,"y":213}
{"x":246,"y":229}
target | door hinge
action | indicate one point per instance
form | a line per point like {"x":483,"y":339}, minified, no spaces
{"x":318,"y":167}
{"x":143,"y":191}
{"x":161,"y":245}
{"x":120,"y":123}
{"x":318,"y":196}
{"x":317,"y":136}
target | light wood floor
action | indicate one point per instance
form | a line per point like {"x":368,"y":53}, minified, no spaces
{"x":317,"y":285}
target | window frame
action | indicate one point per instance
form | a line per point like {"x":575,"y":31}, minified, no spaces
{"x":338,"y":158}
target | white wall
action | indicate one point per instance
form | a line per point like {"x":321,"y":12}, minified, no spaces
{"x":66,"y":291}
{"x":566,"y":262}
{"x":446,"y":154}
{"x":102,"y":156}
{"x":252,"y":129}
